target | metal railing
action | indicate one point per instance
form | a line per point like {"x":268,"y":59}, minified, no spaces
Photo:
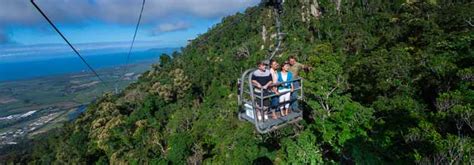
{"x":261,"y":96}
{"x":248,"y":95}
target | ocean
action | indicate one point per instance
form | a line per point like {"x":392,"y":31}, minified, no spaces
{"x":21,"y":70}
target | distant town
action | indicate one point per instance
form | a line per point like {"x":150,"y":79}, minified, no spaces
{"x":26,"y":112}
{"x":12,"y":136}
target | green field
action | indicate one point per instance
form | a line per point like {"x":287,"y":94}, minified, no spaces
{"x":60,"y":94}
{"x":62,"y":90}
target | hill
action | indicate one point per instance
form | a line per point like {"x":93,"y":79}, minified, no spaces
{"x":391,"y":82}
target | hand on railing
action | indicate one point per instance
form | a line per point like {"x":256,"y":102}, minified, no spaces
{"x":275,"y":90}
{"x":266,"y":86}
{"x":258,"y":86}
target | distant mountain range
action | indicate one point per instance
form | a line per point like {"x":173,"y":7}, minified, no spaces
{"x":11,"y":53}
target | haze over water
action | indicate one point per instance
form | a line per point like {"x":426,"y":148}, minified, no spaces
{"x":27,"y":69}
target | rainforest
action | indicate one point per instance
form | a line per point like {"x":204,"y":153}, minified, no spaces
{"x":389,"y":82}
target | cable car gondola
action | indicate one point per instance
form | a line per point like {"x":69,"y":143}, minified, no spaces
{"x":251,"y":99}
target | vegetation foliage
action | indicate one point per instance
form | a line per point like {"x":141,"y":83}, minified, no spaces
{"x":391,"y":82}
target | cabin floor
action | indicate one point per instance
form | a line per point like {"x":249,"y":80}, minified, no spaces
{"x":270,"y":124}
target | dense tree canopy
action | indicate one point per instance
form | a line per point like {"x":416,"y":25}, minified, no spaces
{"x":391,"y":82}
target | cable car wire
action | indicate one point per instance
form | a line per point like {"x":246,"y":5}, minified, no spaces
{"x":279,"y":34}
{"x":131,"y":45}
{"x":67,"y":41}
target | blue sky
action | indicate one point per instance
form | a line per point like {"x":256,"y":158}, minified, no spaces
{"x":166,"y":23}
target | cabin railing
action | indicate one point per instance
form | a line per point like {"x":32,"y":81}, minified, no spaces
{"x":252,"y":98}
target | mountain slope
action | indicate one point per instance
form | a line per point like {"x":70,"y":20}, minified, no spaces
{"x":390,"y":82}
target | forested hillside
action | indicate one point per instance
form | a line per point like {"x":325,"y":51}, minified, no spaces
{"x":391,"y":82}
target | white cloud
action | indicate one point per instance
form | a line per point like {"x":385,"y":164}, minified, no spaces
{"x":171,"y":27}
{"x":125,"y":12}
{"x":116,"y":11}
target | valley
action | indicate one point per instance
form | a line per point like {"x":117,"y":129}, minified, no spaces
{"x":25,"y":111}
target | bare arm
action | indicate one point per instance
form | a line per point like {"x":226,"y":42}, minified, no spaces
{"x":275,"y":90}
{"x":258,"y":85}
{"x":267,"y":85}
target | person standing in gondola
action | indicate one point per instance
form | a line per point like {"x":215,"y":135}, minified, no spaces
{"x":286,"y":88}
{"x":295,"y":68}
{"x":276,"y":99}
{"x":262,"y":80}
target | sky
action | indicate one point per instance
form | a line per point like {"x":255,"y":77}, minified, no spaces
{"x":108,"y":23}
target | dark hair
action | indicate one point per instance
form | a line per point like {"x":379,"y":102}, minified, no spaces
{"x":291,"y":57}
{"x":261,"y":63}
{"x":272,"y":61}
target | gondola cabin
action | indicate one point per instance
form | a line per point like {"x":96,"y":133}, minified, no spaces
{"x":252,"y":100}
